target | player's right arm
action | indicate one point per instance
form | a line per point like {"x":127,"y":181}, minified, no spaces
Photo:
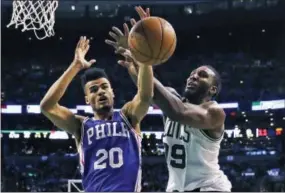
{"x":61,"y":116}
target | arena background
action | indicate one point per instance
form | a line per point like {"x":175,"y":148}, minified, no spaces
{"x":243,"y":39}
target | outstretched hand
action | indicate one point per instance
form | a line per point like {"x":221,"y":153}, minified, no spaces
{"x":80,"y":52}
{"x":142,"y":13}
{"x":121,"y":39}
{"x":129,"y":62}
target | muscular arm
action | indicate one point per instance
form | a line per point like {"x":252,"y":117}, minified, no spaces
{"x":61,"y":116}
{"x":185,"y":113}
{"x":138,"y":107}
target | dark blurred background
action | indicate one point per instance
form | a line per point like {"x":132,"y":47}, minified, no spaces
{"x":243,"y":39}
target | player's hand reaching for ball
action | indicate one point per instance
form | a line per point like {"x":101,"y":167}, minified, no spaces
{"x":130,"y":63}
{"x":121,"y":39}
{"x":142,"y":13}
{"x":80,"y":53}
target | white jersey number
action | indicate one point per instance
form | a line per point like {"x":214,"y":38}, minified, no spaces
{"x":103,"y":155}
{"x":177,"y":155}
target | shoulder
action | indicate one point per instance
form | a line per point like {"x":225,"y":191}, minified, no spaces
{"x":214,"y":107}
{"x":215,"y":111}
{"x":126,"y":109}
{"x":132,"y":120}
{"x":79,"y":133}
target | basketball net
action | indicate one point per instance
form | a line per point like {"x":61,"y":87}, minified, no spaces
{"x":38,"y":16}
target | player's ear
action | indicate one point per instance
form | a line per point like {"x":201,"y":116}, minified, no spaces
{"x":112,"y":92}
{"x":87,"y":100}
{"x":213,"y":90}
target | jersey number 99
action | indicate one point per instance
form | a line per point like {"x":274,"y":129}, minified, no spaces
{"x":105,"y":156}
{"x":177,"y":155}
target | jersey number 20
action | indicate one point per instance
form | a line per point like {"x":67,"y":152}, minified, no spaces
{"x":103,"y":155}
{"x":177,"y":155}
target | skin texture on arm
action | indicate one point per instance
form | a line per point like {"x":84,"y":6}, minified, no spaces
{"x":138,"y":107}
{"x":168,"y":100}
{"x":209,"y":116}
{"x":61,"y":116}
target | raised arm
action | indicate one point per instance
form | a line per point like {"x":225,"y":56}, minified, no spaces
{"x":61,"y":116}
{"x":138,"y":107}
{"x":211,"y":117}
{"x":169,"y":101}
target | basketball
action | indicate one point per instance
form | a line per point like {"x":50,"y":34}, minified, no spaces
{"x":152,"y":41}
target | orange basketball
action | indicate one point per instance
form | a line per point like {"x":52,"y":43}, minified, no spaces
{"x":152,"y":41}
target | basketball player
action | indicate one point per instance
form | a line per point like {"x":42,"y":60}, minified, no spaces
{"x":194,"y":126}
{"x":109,"y":142}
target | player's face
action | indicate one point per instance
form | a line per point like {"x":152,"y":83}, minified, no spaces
{"x":199,"y":82}
{"x":99,"y":94}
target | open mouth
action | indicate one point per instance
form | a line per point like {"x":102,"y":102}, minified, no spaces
{"x":191,"y":85}
{"x":103,"y":99}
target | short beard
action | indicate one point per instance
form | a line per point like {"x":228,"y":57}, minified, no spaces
{"x":104,"y":110}
{"x":196,"y":97}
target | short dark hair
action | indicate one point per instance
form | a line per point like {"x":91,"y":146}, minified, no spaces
{"x":217,"y":79}
{"x":92,"y":74}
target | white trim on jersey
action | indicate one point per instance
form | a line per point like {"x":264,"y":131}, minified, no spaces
{"x":138,"y":140}
{"x":80,"y":146}
{"x":128,"y":123}
{"x":81,"y":158}
{"x":82,"y":130}
{"x":139,"y":175}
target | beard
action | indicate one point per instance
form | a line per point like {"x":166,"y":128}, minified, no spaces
{"x":102,"y":109}
{"x":196,"y":95}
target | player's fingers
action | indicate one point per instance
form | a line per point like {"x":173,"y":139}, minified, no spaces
{"x":147,"y":12}
{"x":126,"y":29}
{"x":117,"y":31}
{"x":83,"y":42}
{"x":78,"y":43}
{"x":122,"y":51}
{"x":139,"y":11}
{"x":113,"y":35}
{"x":111,"y":43}
{"x":123,"y":63}
{"x":133,"y":21}
{"x":92,"y":61}
{"x":116,"y":51}
{"x":129,"y":59}
{"x":86,"y":45}
{"x":143,"y":12}
{"x":85,"y":49}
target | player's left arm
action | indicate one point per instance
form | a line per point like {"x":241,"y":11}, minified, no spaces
{"x":138,"y":107}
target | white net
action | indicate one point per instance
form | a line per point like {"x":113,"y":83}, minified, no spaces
{"x":74,"y":185}
{"x":38,"y":16}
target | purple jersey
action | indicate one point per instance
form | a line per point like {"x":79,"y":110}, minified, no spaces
{"x":110,"y":155}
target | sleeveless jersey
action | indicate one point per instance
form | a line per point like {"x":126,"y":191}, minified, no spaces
{"x":110,"y":155}
{"x":192,"y":159}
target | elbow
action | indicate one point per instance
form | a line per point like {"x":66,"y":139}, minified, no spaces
{"x":45,"y":106}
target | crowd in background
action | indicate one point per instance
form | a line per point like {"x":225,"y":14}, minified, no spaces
{"x":248,"y":55}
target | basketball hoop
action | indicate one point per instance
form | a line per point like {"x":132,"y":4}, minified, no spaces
{"x":38,"y":16}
